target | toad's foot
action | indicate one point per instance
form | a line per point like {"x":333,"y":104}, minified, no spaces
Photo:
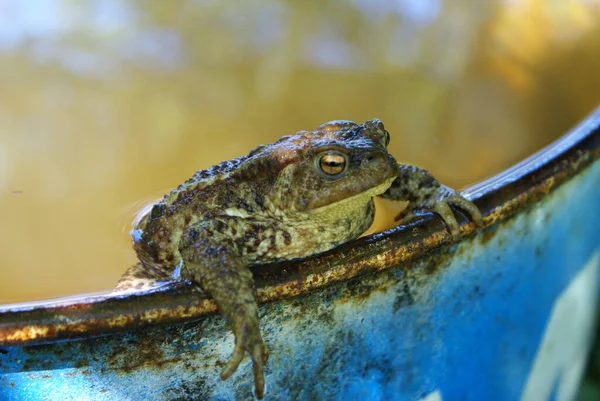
{"x":442,"y":208}
{"x":424,"y":193}
{"x":248,"y":338}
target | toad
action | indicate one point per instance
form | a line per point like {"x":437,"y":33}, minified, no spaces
{"x":299,"y":196}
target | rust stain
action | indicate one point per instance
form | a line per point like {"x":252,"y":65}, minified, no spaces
{"x":148,"y":363}
{"x":487,"y":235}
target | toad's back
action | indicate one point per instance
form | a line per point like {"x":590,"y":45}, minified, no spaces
{"x":265,"y":202}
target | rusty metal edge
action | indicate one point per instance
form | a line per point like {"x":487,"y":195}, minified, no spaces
{"x":498,"y":198}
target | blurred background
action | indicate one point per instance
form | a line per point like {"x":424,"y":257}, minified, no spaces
{"x":107,"y":104}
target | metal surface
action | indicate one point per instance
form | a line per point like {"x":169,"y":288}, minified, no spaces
{"x":504,"y":314}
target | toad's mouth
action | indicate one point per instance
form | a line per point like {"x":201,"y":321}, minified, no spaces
{"x":346,"y":205}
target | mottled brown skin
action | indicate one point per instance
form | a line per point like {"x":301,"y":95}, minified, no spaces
{"x":304,"y":194}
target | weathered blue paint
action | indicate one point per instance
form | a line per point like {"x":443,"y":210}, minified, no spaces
{"x":506,"y":314}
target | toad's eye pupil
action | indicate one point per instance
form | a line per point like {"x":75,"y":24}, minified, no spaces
{"x":387,"y":138}
{"x":332,"y":164}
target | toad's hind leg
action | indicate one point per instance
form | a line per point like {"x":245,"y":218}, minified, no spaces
{"x":212,"y":262}
{"x":140,"y":277}
{"x":424,"y":193}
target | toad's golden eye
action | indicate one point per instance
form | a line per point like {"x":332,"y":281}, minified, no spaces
{"x":332,"y":163}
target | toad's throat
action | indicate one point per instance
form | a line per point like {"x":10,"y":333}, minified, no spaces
{"x":359,"y":198}
{"x":351,"y":206}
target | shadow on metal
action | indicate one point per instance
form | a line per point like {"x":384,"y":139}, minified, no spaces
{"x":504,"y":314}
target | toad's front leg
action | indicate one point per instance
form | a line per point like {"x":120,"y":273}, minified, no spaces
{"x":211,"y":261}
{"x":424,"y":193}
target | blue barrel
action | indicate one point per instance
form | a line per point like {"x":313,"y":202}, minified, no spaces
{"x":506,"y":313}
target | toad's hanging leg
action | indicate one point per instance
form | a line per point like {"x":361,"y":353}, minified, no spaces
{"x":424,"y":193}
{"x":211,"y":261}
